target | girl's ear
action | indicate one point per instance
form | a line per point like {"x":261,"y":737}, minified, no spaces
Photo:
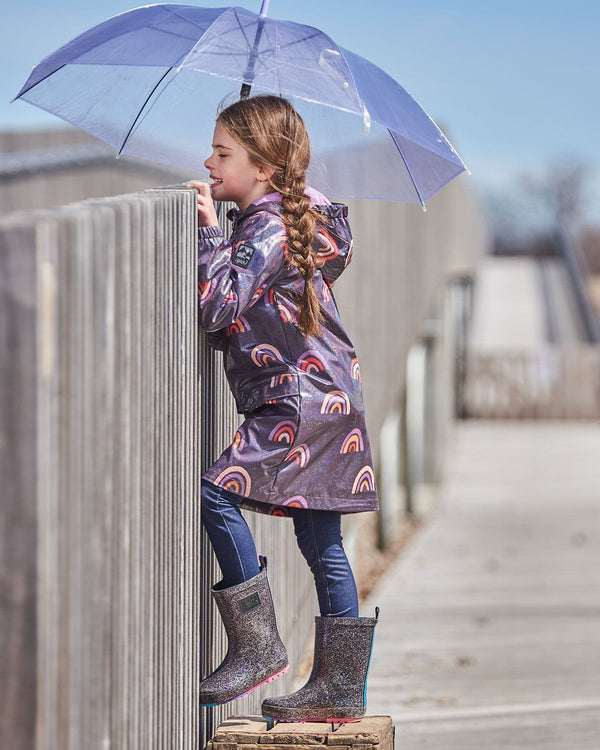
{"x":265,"y":172}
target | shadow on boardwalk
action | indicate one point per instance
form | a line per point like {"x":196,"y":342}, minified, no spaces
{"x":489,"y":635}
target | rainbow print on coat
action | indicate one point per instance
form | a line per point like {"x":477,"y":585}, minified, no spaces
{"x":336,"y":402}
{"x":284,"y":432}
{"x":240,"y":325}
{"x":206,"y":289}
{"x":311,"y":361}
{"x":286,"y":310}
{"x":239,"y":439}
{"x":264,"y":354}
{"x":364,"y":481}
{"x":300,"y":455}
{"x":327,"y":248}
{"x":285,"y":377}
{"x":235,"y":479}
{"x":296,"y":501}
{"x":353,"y":442}
{"x":257,"y":294}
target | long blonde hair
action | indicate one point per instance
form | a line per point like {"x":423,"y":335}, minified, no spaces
{"x":274,"y":135}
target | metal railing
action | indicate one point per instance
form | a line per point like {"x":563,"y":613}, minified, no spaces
{"x":554,"y":382}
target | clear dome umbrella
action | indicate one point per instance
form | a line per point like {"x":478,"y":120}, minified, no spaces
{"x":149,"y":82}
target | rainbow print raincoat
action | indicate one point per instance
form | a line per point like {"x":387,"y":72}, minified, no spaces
{"x":304,"y":441}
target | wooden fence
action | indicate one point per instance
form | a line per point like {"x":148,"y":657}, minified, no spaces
{"x":99,"y":386}
{"x":110,"y":407}
{"x":549,"y":383}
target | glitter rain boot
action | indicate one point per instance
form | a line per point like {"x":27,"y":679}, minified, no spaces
{"x":336,"y":689}
{"x":255,"y":654}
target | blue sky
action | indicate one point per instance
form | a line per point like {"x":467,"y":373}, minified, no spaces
{"x":513,"y":84}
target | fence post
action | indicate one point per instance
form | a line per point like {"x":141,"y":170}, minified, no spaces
{"x":18,"y":509}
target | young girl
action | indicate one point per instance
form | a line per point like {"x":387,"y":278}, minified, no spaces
{"x":265,"y":296}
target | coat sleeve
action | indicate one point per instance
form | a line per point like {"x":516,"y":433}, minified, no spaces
{"x":334,"y":240}
{"x":233,"y":274}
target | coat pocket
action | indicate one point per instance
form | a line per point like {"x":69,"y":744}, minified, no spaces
{"x":267,"y":390}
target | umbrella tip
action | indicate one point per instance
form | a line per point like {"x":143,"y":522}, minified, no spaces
{"x":264,"y":8}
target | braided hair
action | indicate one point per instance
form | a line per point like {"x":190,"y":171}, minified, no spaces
{"x":274,"y":135}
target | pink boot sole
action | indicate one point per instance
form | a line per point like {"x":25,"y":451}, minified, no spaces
{"x":264,"y":682}
{"x":314,"y":721}
{"x":241,"y":695}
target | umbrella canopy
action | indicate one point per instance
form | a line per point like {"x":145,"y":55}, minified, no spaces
{"x":149,"y":80}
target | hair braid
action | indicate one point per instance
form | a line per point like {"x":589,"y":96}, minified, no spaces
{"x":300,"y":222}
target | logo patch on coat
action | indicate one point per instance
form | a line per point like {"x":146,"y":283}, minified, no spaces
{"x":242,"y":256}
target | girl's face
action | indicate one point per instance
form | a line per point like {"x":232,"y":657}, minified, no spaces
{"x":234,"y":177}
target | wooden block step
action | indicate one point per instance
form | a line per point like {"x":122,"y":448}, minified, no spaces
{"x":251,"y":733}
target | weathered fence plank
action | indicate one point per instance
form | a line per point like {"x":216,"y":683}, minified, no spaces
{"x":18,"y":508}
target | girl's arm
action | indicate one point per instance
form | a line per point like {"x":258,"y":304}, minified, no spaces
{"x":232,"y":276}
{"x":334,"y":241}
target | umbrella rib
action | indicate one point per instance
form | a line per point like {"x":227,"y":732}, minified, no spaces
{"x":242,"y":30}
{"x":37,"y":83}
{"x":207,"y":32}
{"x":412,"y":179}
{"x":137,"y":117}
{"x":170,"y":9}
{"x":261,"y":61}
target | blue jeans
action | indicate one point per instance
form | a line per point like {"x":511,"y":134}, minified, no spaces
{"x":318,"y":533}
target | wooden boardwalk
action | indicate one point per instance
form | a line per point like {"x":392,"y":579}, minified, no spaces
{"x":489,"y":636}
